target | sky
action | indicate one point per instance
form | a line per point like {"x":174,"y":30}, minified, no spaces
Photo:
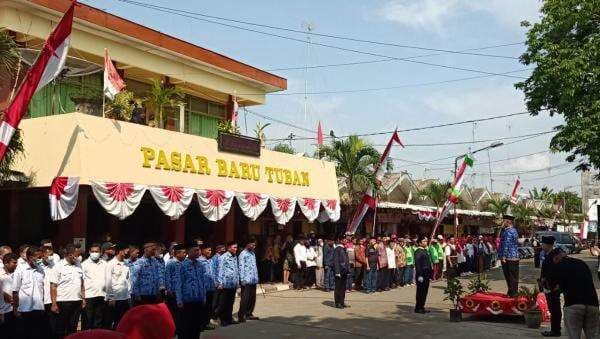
{"x":453,"y":25}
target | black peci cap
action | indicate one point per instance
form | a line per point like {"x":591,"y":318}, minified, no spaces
{"x":548,"y":240}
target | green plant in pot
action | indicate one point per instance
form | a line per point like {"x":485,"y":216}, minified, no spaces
{"x":121,"y":107}
{"x":454,"y":291}
{"x":163,"y":96}
{"x":479,"y":284}
{"x":226,"y":126}
{"x":532,"y":314}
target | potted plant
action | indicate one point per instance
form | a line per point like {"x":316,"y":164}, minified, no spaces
{"x":454,"y":291}
{"x":162,"y":96}
{"x":226,"y":126}
{"x":121,"y":107}
{"x":479,"y":284}
{"x":532,"y":314}
{"x":260,"y":133}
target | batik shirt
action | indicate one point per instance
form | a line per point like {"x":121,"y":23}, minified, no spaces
{"x":191,"y":285}
{"x":248,"y":271}
{"x":147,"y":277}
{"x":209,"y":277}
{"x":172,"y":276}
{"x":229,"y":275}
{"x":509,"y":244}
{"x":214,"y":263}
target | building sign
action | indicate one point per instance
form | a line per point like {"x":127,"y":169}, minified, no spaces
{"x":239,"y":144}
{"x":159,"y":159}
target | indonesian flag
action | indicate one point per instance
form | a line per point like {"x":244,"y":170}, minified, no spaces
{"x":369,"y":200}
{"x":514,"y":195}
{"x":63,"y":197}
{"x":234,"y":112}
{"x":113,"y":84}
{"x":48,"y":66}
{"x":319,"y":135}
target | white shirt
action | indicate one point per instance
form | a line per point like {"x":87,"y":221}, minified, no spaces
{"x":311,"y":257}
{"x":68,"y":279}
{"x":29,"y":282}
{"x":48,"y":277}
{"x":5,"y":287}
{"x":470,"y":250}
{"x":448,"y":250}
{"x":299,"y":253}
{"x":94,"y":278}
{"x":391,"y":257}
{"x":118,"y":283}
{"x":166,"y":258}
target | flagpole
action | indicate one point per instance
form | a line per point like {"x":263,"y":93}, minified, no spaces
{"x":374,"y":218}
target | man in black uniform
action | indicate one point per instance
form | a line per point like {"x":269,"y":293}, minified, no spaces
{"x":550,"y":287}
{"x":423,"y":273}
{"x":341,"y":267}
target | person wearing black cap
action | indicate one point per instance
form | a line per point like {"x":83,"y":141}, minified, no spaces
{"x":341,"y":267}
{"x":424,"y":273}
{"x":549,"y":286}
{"x":172,"y":280}
{"x":108,"y":251}
{"x":248,"y":281}
{"x":508,"y":251}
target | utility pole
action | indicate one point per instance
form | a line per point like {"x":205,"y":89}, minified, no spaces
{"x":490,"y":169}
{"x":309,"y":28}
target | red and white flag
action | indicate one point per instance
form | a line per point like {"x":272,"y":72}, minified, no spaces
{"x":234,"y":112}
{"x":369,"y":200}
{"x":48,"y":66}
{"x":113,"y":83}
{"x":63,"y":197}
{"x":319,"y":135}
{"x":514,"y":196}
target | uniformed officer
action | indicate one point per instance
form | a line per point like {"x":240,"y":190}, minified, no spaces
{"x":191,"y":294}
{"x":172,"y":280}
{"x":550,"y":287}
{"x":147,"y":276}
{"x":209,"y":284}
{"x":248,"y":281}
{"x":423,"y":273}
{"x":227,"y":282}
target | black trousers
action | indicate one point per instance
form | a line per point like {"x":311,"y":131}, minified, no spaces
{"x":422,"y":290}
{"x":511,"y":275}
{"x":359,"y":275}
{"x":116,"y":312}
{"x":51,"y":320}
{"x":8,"y":328}
{"x":191,"y":326}
{"x":177,"y":315}
{"x":215,"y":304}
{"x":400,"y":276}
{"x":339,"y":293}
{"x":94,"y":313}
{"x":31,"y":325}
{"x":247,"y":301}
{"x":311,"y":276}
{"x":208,"y":307}
{"x":68,"y":317}
{"x":383,"y":279}
{"x":553,"y":300}
{"x":226,"y":299}
{"x":300,"y":276}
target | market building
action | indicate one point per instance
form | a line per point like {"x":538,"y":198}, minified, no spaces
{"x":141,"y":179}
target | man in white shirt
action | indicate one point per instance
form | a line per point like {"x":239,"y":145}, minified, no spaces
{"x":94,"y":279}
{"x":55,"y":258}
{"x":22,"y":262}
{"x":118,"y":286}
{"x":49,"y":268}
{"x":4,"y":250}
{"x":68,"y":292}
{"x":300,"y":253}
{"x":7,"y":316}
{"x":28,"y":294}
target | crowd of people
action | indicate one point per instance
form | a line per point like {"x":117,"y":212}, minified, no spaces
{"x":47,"y":295}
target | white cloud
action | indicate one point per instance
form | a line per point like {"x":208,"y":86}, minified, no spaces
{"x":530,"y":163}
{"x":435,"y":14}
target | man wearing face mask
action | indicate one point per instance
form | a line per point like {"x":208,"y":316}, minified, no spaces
{"x":48,"y":243}
{"x":148,"y":279}
{"x":28,"y":294}
{"x":7,"y":314}
{"x":118,"y":286}
{"x":94,"y":278}
{"x":68,"y":292}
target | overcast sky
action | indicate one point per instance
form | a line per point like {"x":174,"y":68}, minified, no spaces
{"x":439,"y":24}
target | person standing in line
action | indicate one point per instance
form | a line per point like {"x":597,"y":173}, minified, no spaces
{"x":8,"y":321}
{"x":214,"y":262}
{"x":383,"y":279}
{"x":227,"y":283}
{"x":172,"y":280}
{"x":341,"y":268}
{"x":49,"y":272}
{"x":288,"y":258}
{"x":441,"y":245}
{"x":118,"y":287}
{"x":328,"y":264}
{"x":410,"y":262}
{"x":400,"y":261}
{"x":352,"y":263}
{"x":451,"y":257}
{"x":108,"y":251}
{"x":300,"y":253}
{"x":248,"y":281}
{"x":28,"y":293}
{"x":147,"y":277}
{"x":209,"y":285}
{"x":433,"y":255}
{"x":372,"y":256}
{"x":320,"y":272}
{"x":4,"y":250}
{"x":509,"y":255}
{"x":191,"y":294}
{"x":360,"y":264}
{"x":94,"y":278}
{"x":68,"y":292}
{"x":391,"y":258}
{"x":547,"y":284}
{"x":311,"y":266}
{"x":424,"y":273}
{"x":132,"y":256}
{"x":22,"y":262}
{"x":581,"y":312}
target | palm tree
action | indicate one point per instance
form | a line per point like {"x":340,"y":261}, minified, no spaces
{"x":9,"y":53}
{"x":544,"y":194}
{"x":260,"y":132}
{"x":522,"y":215}
{"x":498,"y":206}
{"x":161,"y":97}
{"x":437,"y":192}
{"x":355,"y":160}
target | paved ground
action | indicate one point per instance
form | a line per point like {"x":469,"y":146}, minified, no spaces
{"x":310,"y":314}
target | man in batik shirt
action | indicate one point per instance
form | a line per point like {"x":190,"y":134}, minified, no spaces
{"x":248,"y":281}
{"x":227,"y":282}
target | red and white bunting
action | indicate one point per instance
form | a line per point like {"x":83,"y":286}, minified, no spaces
{"x":332,"y":208}
{"x":118,"y":199}
{"x":63,"y":197}
{"x":173,"y":201}
{"x":215,"y":204}
{"x":427,"y":215}
{"x":310,"y":208}
{"x":283,"y":209}
{"x":252,"y":204}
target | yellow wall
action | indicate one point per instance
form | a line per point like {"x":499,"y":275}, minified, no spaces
{"x":95,"y":148}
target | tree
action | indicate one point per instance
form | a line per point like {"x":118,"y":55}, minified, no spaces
{"x":498,"y":206}
{"x":9,"y":53}
{"x":284,"y":148}
{"x":437,"y":192}
{"x":260,"y":132}
{"x":545,"y":194}
{"x":522,"y":215}
{"x":355,"y":160}
{"x":570,"y":201}
{"x":161,"y":97}
{"x":565,"y":50}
